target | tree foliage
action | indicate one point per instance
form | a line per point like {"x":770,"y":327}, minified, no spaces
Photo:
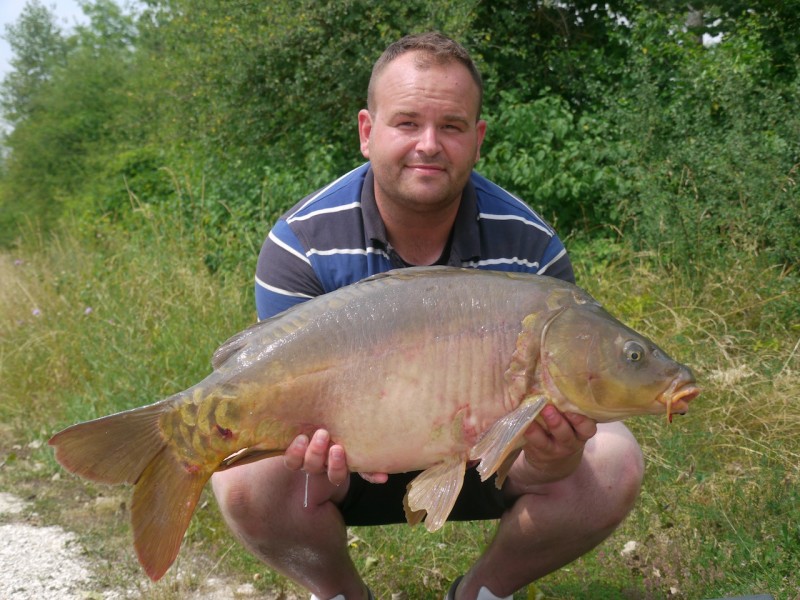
{"x":38,"y":48}
{"x":607,"y":117}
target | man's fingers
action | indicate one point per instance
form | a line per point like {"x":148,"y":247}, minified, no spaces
{"x":584,"y":427}
{"x":560,"y":428}
{"x":537,"y":437}
{"x":310,"y":455}
{"x":337,"y":465}
{"x":296,"y":453}
{"x":375,"y":477}
{"x":316,"y":456}
{"x":317,"y":452}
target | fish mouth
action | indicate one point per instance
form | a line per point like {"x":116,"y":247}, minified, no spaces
{"x":676,"y":398}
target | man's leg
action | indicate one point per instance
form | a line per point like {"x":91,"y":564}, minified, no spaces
{"x":263,"y":504}
{"x":553,"y":525}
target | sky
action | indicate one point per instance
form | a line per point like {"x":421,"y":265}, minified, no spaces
{"x":67,"y":14}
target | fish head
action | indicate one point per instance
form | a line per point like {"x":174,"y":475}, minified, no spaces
{"x":607,"y":371}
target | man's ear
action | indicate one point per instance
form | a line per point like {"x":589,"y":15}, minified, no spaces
{"x":364,"y":130}
{"x":480,"y":130}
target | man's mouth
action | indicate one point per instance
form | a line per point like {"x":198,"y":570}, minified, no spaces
{"x":426,"y":168}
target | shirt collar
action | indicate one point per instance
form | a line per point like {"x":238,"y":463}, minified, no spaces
{"x":374,"y":228}
{"x":466,"y":241}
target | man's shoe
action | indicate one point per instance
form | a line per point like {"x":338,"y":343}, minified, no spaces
{"x":483,"y":594}
{"x":341,"y":597}
{"x":451,"y":593}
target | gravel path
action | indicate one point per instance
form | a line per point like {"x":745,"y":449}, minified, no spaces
{"x":47,"y":563}
{"x":39,"y":562}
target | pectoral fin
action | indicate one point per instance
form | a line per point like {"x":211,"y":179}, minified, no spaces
{"x":502,"y":472}
{"x":249,"y":455}
{"x":434,"y":491}
{"x":501,"y":443}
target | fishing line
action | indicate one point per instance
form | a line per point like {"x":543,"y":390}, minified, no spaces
{"x":305,"y":497}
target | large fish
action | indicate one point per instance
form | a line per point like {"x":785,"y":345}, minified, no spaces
{"x":418,"y":369}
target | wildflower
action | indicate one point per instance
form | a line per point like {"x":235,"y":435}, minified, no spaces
{"x":36,"y":312}
{"x":88,"y":310}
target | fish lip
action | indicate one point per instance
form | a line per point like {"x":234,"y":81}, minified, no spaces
{"x":677,"y":396}
{"x":682,"y":397}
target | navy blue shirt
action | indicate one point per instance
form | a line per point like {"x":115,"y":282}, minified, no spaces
{"x":336,"y":237}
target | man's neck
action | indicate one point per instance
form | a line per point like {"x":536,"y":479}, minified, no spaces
{"x":419,"y":239}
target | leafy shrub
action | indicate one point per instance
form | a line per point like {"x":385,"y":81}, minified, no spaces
{"x":560,"y":163}
{"x":712,"y":146}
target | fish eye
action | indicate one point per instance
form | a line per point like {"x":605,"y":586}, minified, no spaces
{"x":634,"y":352}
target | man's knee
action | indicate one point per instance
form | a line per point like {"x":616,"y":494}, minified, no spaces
{"x":620,"y":467}
{"x":235,"y":497}
{"x":629,"y":482}
{"x":245,"y":498}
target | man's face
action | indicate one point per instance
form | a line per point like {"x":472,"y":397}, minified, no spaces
{"x":422,"y":136}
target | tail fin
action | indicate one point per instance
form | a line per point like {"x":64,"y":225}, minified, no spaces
{"x":113,"y":449}
{"x":163,"y":503}
{"x":129,"y":447}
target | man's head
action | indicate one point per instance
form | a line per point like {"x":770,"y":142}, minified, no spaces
{"x":430,"y":48}
{"x":422,"y":131}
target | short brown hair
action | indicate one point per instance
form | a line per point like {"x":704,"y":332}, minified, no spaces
{"x":435,"y":48}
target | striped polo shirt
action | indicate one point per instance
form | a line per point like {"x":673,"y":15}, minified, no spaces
{"x":336,"y":237}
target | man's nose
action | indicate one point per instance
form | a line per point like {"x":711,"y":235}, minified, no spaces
{"x":428,"y":142}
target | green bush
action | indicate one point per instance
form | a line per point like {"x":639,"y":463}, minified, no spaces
{"x":560,"y":163}
{"x":713,"y":148}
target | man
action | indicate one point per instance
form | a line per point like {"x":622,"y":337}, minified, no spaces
{"x":419,"y":202}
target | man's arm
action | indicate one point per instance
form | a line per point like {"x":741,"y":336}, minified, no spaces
{"x":556,"y":262}
{"x":284,"y":275}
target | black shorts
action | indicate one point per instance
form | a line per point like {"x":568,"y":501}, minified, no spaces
{"x":382,"y":503}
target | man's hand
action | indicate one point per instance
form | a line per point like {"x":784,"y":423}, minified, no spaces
{"x":554,"y":447}
{"x":319,"y":456}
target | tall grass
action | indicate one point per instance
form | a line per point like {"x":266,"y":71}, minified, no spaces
{"x":100,"y":321}
{"x":111,"y":321}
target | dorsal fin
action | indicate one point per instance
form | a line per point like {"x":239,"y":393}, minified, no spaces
{"x":235,"y":343}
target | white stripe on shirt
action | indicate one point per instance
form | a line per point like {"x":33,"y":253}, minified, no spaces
{"x":548,"y":265}
{"x":539,"y":226}
{"x":501,"y":261}
{"x":350,"y":251}
{"x":324,"y":211}
{"x":523,"y":205}
{"x":280,"y":291}
{"x":322,"y":191}
{"x":288,"y":248}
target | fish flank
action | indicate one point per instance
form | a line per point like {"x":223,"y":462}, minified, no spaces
{"x":451,"y":359}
